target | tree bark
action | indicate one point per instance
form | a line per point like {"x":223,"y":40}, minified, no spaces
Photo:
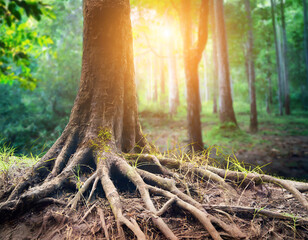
{"x":192,"y":57}
{"x":226,"y":111}
{"x":251,"y":71}
{"x":285,"y":60}
{"x":279,"y":70}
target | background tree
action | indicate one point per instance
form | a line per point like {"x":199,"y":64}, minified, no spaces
{"x":251,"y":71}
{"x":226,"y":112}
{"x":192,"y":57}
{"x":285,"y":59}
{"x":278,"y":59}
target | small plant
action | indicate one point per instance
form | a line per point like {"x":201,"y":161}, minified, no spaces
{"x":257,"y":210}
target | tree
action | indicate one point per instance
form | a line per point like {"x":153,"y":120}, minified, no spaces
{"x":226,"y":112}
{"x":192,"y":57}
{"x":278,"y":63}
{"x":285,"y":60}
{"x":102,"y":129}
{"x":215,"y":60}
{"x":251,"y":71}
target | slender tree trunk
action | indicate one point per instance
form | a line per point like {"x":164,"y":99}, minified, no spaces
{"x":173,"y":80}
{"x":280,"y":93}
{"x":285,"y":60}
{"x":215,"y":59}
{"x":251,"y":72}
{"x":205,"y":78}
{"x":305,"y":3}
{"x":226,"y":112}
{"x":269,"y":95}
{"x":192,"y":57}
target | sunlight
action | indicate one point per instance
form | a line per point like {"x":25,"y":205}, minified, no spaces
{"x":166,"y":32}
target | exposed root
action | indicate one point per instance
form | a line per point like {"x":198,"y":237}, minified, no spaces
{"x":132,"y":174}
{"x":88,"y":212}
{"x":172,"y":191}
{"x":159,"y":180}
{"x":102,"y":218}
{"x":185,"y":167}
{"x":292,"y":186}
{"x":85,"y":186}
{"x":259,"y":178}
{"x":204,"y":218}
{"x":253,"y":211}
{"x":62,"y":159}
{"x":93,"y":189}
{"x":116,"y":206}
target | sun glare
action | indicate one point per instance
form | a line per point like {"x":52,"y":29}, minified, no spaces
{"x":166,"y":32}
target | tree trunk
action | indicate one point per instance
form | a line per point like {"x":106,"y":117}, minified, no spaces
{"x":285,"y":61}
{"x":192,"y":57}
{"x":173,"y":80}
{"x":215,"y":59}
{"x":251,"y":72}
{"x":280,"y":92}
{"x":269,"y":95}
{"x":205,"y":79}
{"x":305,"y":6}
{"x":226,"y":112}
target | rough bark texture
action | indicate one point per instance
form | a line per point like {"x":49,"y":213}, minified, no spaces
{"x":192,"y":57}
{"x":251,"y":72}
{"x":226,"y":112}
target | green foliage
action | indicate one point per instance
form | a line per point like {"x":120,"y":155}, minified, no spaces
{"x":20,"y":44}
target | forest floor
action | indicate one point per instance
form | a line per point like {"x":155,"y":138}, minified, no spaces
{"x":55,"y":222}
{"x":281,"y":145}
{"x":279,"y":148}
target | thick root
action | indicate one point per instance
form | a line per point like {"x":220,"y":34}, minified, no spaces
{"x":253,"y":211}
{"x":292,"y":186}
{"x":115,"y":203}
{"x":162,"y":184}
{"x":132,"y":174}
{"x":186,"y":168}
{"x":173,"y":192}
{"x":260,"y":178}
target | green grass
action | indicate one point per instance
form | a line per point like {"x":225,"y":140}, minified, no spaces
{"x":216,"y":135}
{"x":8,"y":159}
